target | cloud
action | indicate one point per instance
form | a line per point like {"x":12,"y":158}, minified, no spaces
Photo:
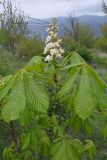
{"x":52,"y":8}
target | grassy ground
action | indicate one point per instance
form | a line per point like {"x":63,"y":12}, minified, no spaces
{"x":99,"y":62}
{"x":8,"y":63}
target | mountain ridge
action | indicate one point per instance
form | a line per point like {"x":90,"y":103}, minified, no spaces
{"x":94,"y":21}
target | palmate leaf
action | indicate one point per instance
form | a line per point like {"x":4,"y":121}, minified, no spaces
{"x":36,"y":140}
{"x":83,"y":101}
{"x":15,"y":102}
{"x":90,"y":91}
{"x":36,"y":97}
{"x":22,"y":92}
{"x":90,"y":94}
{"x":68,"y":85}
{"x":67,"y":149}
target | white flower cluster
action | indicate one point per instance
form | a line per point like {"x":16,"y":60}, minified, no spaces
{"x":53,"y":48}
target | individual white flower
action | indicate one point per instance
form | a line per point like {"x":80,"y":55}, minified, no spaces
{"x":57,"y":44}
{"x":45,"y":51}
{"x":48,"y":58}
{"x":48,"y":39}
{"x":59,"y":55}
{"x":53,"y":51}
{"x":59,"y":40}
{"x":55,"y":35}
{"x":61,"y":50}
{"x":50,"y":33}
{"x":50,"y":45}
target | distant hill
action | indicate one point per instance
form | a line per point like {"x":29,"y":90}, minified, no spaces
{"x":95,"y":22}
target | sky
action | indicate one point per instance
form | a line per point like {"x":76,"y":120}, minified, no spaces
{"x":55,"y":8}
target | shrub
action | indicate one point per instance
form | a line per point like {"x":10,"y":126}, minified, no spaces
{"x":71,"y":45}
{"x":8,"y":63}
{"x":14,"y":24}
{"x":101,"y":44}
{"x":84,"y":52}
{"x":81,"y":33}
{"x":104,"y":30}
{"x":86,"y":36}
{"x":3,"y":40}
{"x":29,"y":47}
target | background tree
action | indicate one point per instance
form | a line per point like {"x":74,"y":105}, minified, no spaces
{"x":13,"y":24}
{"x":79,"y":32}
{"x":101,"y":42}
{"x":73,"y":29}
{"x":0,"y":11}
{"x":104,"y":6}
{"x":78,"y":37}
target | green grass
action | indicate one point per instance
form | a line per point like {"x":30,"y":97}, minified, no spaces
{"x":99,"y":62}
{"x":8,"y":63}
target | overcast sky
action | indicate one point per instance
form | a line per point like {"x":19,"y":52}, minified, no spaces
{"x":55,"y":8}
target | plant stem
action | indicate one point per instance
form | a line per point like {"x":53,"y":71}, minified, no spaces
{"x":58,"y":109}
{"x":13,"y":132}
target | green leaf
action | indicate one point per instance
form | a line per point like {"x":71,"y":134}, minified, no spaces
{"x":91,"y":149}
{"x":8,"y":154}
{"x":27,"y":154}
{"x":7,"y":78}
{"x":5,"y":88}
{"x":91,"y":88}
{"x":29,"y":140}
{"x":15,"y":102}
{"x":98,"y":88}
{"x":83,"y":101}
{"x":67,"y":149}
{"x":35,"y":65}
{"x":74,"y":59}
{"x":44,"y":145}
{"x":21,"y":92}
{"x":75,"y":122}
{"x":34,"y":60}
{"x":26,"y":141}
{"x":88,"y":126}
{"x":105,"y":131}
{"x":36,"y":96}
{"x":68,"y":85}
{"x":58,"y":130}
{"x":26,"y":117}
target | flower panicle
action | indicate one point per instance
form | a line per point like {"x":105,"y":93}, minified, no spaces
{"x":53,"y":48}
